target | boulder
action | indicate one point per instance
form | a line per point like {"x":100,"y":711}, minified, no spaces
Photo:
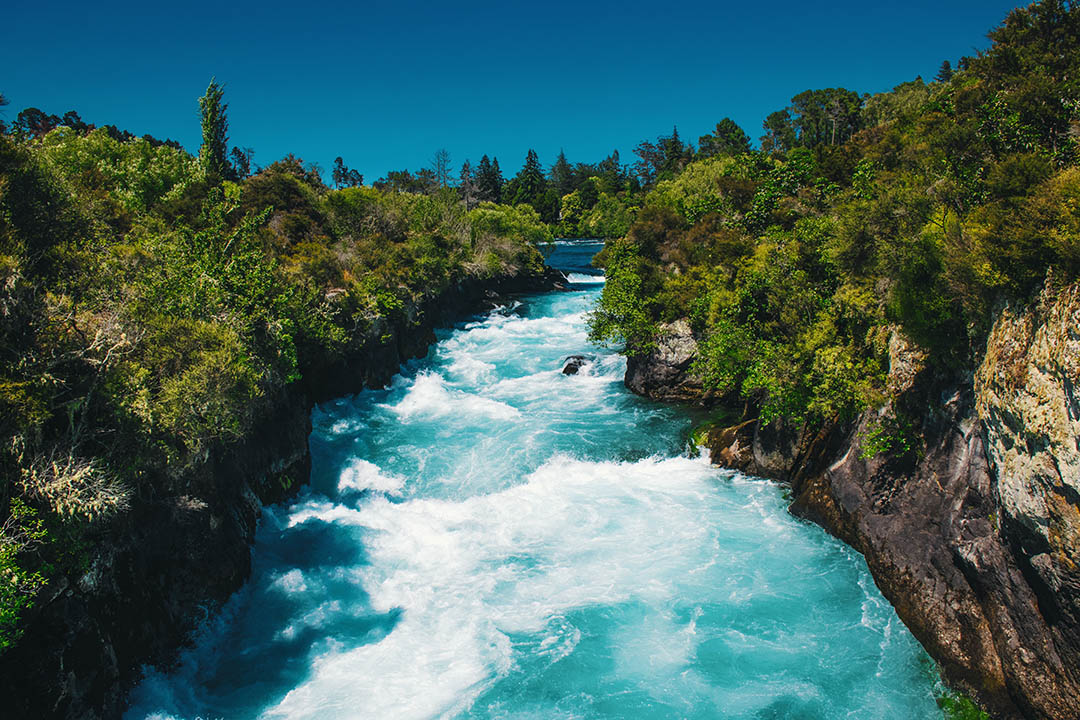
{"x":574,"y":363}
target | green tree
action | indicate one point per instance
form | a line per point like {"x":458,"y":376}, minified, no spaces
{"x":728,"y":139}
{"x":213,"y":154}
{"x":562,"y":175}
{"x":780,"y":135}
{"x":945,"y":72}
{"x":529,"y":184}
{"x":345,"y":177}
{"x":241,"y":162}
{"x":467,"y":186}
{"x":489,"y":180}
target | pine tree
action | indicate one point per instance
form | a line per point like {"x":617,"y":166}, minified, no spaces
{"x":468,"y":187}
{"x":562,"y":175}
{"x":529,"y":182}
{"x":497,"y":179}
{"x":945,"y":74}
{"x":213,"y":155}
{"x":489,"y":180}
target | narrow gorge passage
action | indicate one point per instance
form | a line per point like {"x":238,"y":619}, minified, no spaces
{"x":491,"y":538}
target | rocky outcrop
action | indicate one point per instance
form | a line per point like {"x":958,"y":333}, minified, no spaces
{"x":973,"y":533}
{"x":664,"y":371}
{"x":176,"y":556}
{"x":1027,"y":400}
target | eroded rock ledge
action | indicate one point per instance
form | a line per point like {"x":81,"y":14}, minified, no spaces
{"x":973,"y":536}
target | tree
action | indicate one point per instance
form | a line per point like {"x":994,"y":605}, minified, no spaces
{"x":489,"y":180}
{"x":650,"y":162}
{"x":72,"y":120}
{"x":467,"y":186}
{"x":728,"y":139}
{"x":780,"y":133}
{"x":440,"y":167}
{"x":676,"y":155}
{"x":34,"y":122}
{"x":815,"y":117}
{"x":400,"y":181}
{"x":945,"y":74}
{"x":241,"y":161}
{"x":562,"y":175}
{"x":215,"y":128}
{"x":343,"y":176}
{"x":529,"y":182}
{"x":611,"y":173}
{"x":1030,"y":72}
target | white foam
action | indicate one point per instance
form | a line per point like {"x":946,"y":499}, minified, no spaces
{"x":429,"y":397}
{"x":362,"y":475}
{"x":583,"y":279}
{"x":470,"y":574}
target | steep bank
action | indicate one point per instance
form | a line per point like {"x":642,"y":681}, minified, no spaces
{"x":158,"y":569}
{"x":970,"y":525}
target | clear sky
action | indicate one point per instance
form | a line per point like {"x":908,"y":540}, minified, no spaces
{"x":385,"y":84}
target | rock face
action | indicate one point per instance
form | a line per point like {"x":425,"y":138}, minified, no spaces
{"x":177,"y":556}
{"x":974,"y":535}
{"x":663,"y":373}
{"x":1027,"y":400}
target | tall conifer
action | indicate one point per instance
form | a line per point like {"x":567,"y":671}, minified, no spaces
{"x":213,"y":155}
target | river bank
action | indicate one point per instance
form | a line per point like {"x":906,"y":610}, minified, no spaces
{"x":489,"y":537}
{"x":174,"y":559}
{"x":971,"y":532}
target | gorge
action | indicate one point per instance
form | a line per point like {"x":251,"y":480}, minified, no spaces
{"x":488,"y":537}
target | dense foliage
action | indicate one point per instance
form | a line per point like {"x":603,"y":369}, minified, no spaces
{"x":151,"y":308}
{"x":910,"y":214}
{"x":580,"y":200}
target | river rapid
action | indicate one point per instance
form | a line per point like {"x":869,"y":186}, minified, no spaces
{"x":491,"y":538}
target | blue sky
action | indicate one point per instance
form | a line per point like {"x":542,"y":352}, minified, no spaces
{"x":385,"y":84}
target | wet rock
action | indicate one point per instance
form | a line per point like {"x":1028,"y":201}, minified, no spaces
{"x":732,"y":447}
{"x":574,"y":363}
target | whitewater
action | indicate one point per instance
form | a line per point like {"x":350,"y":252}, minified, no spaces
{"x":491,"y":538}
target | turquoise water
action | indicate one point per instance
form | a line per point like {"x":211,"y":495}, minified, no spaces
{"x":490,"y":538}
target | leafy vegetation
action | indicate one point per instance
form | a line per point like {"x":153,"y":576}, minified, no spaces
{"x":154,"y":304}
{"x":915,"y":211}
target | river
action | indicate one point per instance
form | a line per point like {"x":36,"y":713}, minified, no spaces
{"x":491,"y":538}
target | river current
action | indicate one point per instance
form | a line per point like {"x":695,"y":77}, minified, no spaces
{"x":491,"y":538}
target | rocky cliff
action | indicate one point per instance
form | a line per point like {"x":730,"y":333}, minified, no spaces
{"x":972,"y":530}
{"x":175,"y":557}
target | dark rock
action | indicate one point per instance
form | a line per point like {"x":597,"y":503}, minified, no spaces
{"x":574,"y":363}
